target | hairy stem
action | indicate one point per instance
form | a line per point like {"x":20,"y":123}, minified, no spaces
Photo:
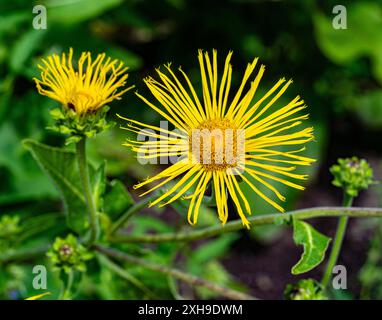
{"x":178,"y":274}
{"x":85,"y":180}
{"x":337,"y":243}
{"x":236,"y":225}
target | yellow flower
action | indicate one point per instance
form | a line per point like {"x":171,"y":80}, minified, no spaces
{"x":86,"y":88}
{"x":262,"y":132}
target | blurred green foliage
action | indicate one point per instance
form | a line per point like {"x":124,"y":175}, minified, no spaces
{"x":337,"y":72}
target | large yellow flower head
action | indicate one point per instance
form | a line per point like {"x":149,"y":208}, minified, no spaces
{"x":256,"y":127}
{"x":86,"y":87}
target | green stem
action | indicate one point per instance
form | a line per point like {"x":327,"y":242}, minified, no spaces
{"x":337,"y":243}
{"x":130,"y":212}
{"x":85,"y":180}
{"x":236,"y":225}
{"x":68,"y":287}
{"x":172,"y":285}
{"x":127,"y":276}
{"x":178,"y":274}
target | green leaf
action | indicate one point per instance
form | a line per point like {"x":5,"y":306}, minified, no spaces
{"x":214,"y":249}
{"x":12,"y":20}
{"x":368,"y":107}
{"x":315,"y":245}
{"x":75,"y":11}
{"x":363,"y":37}
{"x":117,"y":199}
{"x":215,"y":272}
{"x":209,"y":251}
{"x":145,"y":224}
{"x":21,"y":179}
{"x":23,"y":49}
{"x":61,"y":166}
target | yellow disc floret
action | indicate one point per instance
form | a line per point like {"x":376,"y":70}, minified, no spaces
{"x":214,"y":145}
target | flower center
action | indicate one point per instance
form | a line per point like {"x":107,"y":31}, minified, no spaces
{"x":83,"y":101}
{"x":215,"y":144}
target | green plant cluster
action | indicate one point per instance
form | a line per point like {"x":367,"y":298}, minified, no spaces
{"x":352,"y":175}
{"x":77,"y":126}
{"x":9,"y":226}
{"x":144,"y":34}
{"x":69,"y":255}
{"x":305,"y":289}
{"x":9,"y":230}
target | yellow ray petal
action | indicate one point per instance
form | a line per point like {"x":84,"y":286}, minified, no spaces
{"x":201,"y":193}
{"x":206,"y":91}
{"x":262,"y":195}
{"x":39,"y":296}
{"x":170,"y":116}
{"x":178,"y":185}
{"x":272,"y":177}
{"x":198,"y":189}
{"x":172,"y":171}
{"x":247,"y":74}
{"x":235,"y":199}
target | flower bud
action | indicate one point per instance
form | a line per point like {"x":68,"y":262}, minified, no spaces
{"x":305,"y":289}
{"x":68,"y":255}
{"x":9,"y":226}
{"x":77,"y":126}
{"x":352,"y":175}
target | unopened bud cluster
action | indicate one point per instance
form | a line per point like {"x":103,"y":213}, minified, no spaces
{"x":9,"y":226}
{"x":352,"y":175}
{"x":68,"y":255}
{"x":9,"y":231}
{"x":77,"y":126}
{"x":305,"y":289}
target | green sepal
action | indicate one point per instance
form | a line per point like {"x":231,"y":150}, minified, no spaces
{"x":77,"y":126}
